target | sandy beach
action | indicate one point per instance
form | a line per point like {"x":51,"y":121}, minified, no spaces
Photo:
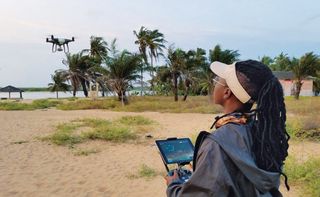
{"x":31,"y":167}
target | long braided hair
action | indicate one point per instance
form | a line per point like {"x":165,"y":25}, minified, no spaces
{"x":270,"y":138}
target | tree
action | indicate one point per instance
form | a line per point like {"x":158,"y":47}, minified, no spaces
{"x":281,"y":63}
{"x":195,"y":59}
{"x":122,"y":69}
{"x":98,"y":51}
{"x":266,"y":60}
{"x":77,"y":72}
{"x":98,"y":48}
{"x":316,"y":83}
{"x":151,"y":44}
{"x":156,"y":46}
{"x":142,"y":41}
{"x":162,"y":80}
{"x":58,"y":83}
{"x":217,"y":54}
{"x":175,"y":64}
{"x":307,"y":65}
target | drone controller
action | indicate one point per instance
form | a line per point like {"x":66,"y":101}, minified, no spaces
{"x":184,"y":174}
{"x":177,"y":151}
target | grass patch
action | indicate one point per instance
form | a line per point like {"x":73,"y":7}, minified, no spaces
{"x":64,"y":135}
{"x":83,"y":152}
{"x":135,"y":120}
{"x":304,"y":127}
{"x":305,"y":174}
{"x":194,"y":104}
{"x":81,"y":130}
{"x":144,"y":172}
{"x":304,"y":106}
{"x":36,"y":104}
{"x":82,"y":104}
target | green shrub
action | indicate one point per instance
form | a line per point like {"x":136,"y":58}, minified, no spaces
{"x":44,"y":103}
{"x":7,"y":105}
{"x":36,"y":104}
{"x":147,"y":172}
{"x":143,"y":172}
{"x":80,"y":130}
{"x":306,"y":174}
{"x":135,"y":120}
{"x":304,"y":127}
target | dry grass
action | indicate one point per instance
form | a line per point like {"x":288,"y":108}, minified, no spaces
{"x":77,"y":131}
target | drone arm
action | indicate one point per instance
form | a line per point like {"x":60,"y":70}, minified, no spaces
{"x":67,"y":48}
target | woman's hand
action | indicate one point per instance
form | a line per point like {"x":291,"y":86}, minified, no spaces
{"x":169,"y":179}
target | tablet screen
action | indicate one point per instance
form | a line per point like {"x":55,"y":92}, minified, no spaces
{"x":176,"y":150}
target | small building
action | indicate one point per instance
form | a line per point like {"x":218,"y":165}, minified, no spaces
{"x":286,"y":79}
{"x":11,"y":89}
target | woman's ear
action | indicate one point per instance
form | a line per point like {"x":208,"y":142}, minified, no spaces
{"x":227,"y":93}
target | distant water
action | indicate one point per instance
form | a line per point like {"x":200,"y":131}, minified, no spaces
{"x":41,"y":95}
{"x":46,"y":95}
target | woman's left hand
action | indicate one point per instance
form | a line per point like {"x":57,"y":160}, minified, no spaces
{"x":169,"y":179}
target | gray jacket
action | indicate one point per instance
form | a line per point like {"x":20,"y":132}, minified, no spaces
{"x":225,"y":167}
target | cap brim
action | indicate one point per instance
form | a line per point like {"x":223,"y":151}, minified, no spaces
{"x":228,"y":72}
{"x":219,"y":68}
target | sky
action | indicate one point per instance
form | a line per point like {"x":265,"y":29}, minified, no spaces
{"x":253,"y":27}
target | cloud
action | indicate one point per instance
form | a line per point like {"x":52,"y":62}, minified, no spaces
{"x":310,"y":19}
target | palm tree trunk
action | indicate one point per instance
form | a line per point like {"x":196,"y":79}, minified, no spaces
{"x":57,"y":94}
{"x":187,"y":84}
{"x":175,"y":86}
{"x":298,"y":89}
{"x":84,"y":87}
{"x":186,"y":94}
{"x":152,"y":76}
{"x":74,"y":92}
{"x":141,"y":80}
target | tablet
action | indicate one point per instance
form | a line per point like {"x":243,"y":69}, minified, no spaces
{"x":176,"y":150}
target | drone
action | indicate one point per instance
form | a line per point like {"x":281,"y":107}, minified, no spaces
{"x":59,"y":44}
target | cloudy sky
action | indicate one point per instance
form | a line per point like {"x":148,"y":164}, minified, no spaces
{"x":254,"y":27}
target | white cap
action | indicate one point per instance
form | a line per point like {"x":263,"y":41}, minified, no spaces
{"x":228,"y":72}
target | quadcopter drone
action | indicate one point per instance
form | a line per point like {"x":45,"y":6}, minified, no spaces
{"x":59,"y":44}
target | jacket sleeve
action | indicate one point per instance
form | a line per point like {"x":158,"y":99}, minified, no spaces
{"x":211,"y":177}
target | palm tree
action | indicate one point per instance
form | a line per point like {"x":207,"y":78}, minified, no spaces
{"x":268,"y":61}
{"x":142,"y":41}
{"x":281,"y":63}
{"x":175,"y":62}
{"x":303,"y":67}
{"x":98,"y":51}
{"x":151,"y":43}
{"x":98,"y":48}
{"x":58,"y":83}
{"x":163,"y":80}
{"x":316,"y":83}
{"x":122,"y":69}
{"x":217,"y":54}
{"x":156,"y":46}
{"x":194,"y":61}
{"x":77,"y":72}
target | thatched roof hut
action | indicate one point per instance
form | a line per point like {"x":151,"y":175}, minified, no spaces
{"x":11,"y":89}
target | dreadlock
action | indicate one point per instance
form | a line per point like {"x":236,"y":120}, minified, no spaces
{"x":270,"y":138}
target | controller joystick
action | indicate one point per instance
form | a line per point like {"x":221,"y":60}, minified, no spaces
{"x":184,"y":174}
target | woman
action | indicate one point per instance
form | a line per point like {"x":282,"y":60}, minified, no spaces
{"x":244,"y":156}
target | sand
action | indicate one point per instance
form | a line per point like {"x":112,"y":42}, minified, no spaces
{"x":36,"y":168}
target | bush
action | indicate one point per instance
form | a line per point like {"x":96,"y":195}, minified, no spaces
{"x":306,"y":174}
{"x":36,"y":104}
{"x":80,"y":130}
